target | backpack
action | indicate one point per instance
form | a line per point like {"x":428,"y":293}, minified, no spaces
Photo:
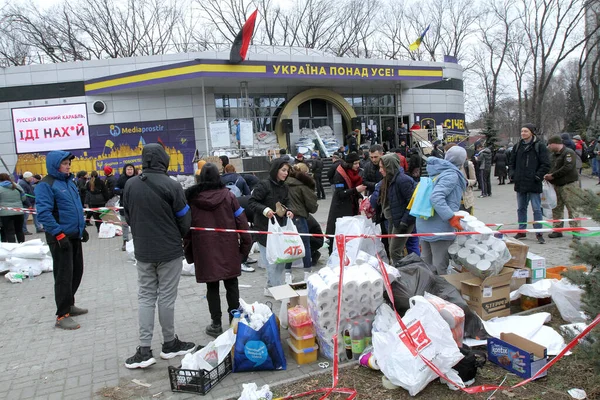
{"x":232,"y":186}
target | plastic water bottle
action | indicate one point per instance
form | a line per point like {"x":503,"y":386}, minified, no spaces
{"x":367,"y":327}
{"x":358,"y":340}
{"x":289,"y":278}
{"x":30,"y":273}
{"x":348,"y":339}
{"x":235,"y":321}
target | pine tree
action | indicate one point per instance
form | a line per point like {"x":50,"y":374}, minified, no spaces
{"x":576,"y":119}
{"x":588,"y":253}
{"x":490,"y":132}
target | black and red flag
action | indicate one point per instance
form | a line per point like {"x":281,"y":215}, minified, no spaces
{"x":239,"y":48}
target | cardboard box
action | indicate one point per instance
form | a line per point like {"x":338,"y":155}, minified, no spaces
{"x":296,"y":292}
{"x":519,"y":277}
{"x":517,"y":355}
{"x":537,"y":265}
{"x":490,"y":297}
{"x":518,"y":252}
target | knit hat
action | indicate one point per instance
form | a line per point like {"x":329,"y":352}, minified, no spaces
{"x":456,"y":155}
{"x":107,"y":170}
{"x":532,"y":128}
{"x":300,"y":155}
{"x":27,"y":174}
{"x":352,"y":157}
{"x":577,"y":137}
{"x":314,"y":155}
{"x":555,"y":139}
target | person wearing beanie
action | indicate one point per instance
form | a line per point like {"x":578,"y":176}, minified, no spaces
{"x":300,"y":159}
{"x":29,"y":201}
{"x":110,"y":181}
{"x":529,"y":163}
{"x":347,"y":184}
{"x":316,"y":168}
{"x":65,"y":232}
{"x":565,"y":178}
{"x":446,"y":196}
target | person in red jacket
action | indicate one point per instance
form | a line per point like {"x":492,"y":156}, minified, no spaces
{"x":403,"y":162}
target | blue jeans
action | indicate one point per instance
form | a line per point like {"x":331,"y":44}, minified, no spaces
{"x":412,"y":244}
{"x":523,"y":200}
{"x":595,"y":166}
{"x":37,"y":225}
{"x":302,"y":226}
{"x":274,"y":271}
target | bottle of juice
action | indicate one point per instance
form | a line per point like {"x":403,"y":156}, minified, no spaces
{"x":348,"y":339}
{"x":367,"y":328}
{"x":357,"y":337}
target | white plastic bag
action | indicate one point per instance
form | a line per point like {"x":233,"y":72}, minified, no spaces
{"x":107,"y":231}
{"x":209,"y":356}
{"x":567,"y":297}
{"x":130,"y":249}
{"x":432,"y":337}
{"x":283,"y":249}
{"x":187,"y":269}
{"x":548,"y":195}
{"x":252,"y":392}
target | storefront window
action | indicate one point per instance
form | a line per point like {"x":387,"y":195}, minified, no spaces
{"x":260,"y":109}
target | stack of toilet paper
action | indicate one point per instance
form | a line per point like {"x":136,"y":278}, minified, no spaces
{"x":482,"y":254}
{"x":362,"y":294}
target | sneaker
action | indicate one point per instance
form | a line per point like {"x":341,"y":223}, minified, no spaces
{"x":142,"y":358}
{"x":176,"y":348}
{"x":66,"y":322}
{"x":267,"y":293}
{"x":214,"y":330}
{"x":520,"y":236}
{"x":247,"y":268}
{"x":27,"y":233}
{"x":78,"y":311}
{"x":540,"y":239}
{"x":251,"y":261}
{"x":482,"y":196}
{"x":555,"y":235}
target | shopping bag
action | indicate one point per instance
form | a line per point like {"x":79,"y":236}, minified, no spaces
{"x":281,"y":248}
{"x":421,"y":201}
{"x":258,"y":350}
{"x":106,"y":231}
{"x":548,"y":195}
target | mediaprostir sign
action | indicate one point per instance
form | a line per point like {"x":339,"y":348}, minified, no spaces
{"x":40,"y":129}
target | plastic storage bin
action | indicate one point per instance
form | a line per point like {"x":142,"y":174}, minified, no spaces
{"x":302,"y":342}
{"x":200,"y":382}
{"x":304,"y":356}
{"x":556,"y":272}
{"x":302,"y":329}
{"x":298,"y":315}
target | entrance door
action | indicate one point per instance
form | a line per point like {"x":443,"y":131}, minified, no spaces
{"x":385,"y":122}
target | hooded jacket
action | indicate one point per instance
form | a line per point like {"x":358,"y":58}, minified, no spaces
{"x":529,"y":162}
{"x":303,"y":199}
{"x":216,"y":256}
{"x":69,"y":218}
{"x":485,"y":159}
{"x":266,"y":194}
{"x":399,"y":192}
{"x":447,"y":192}
{"x":155,"y":209}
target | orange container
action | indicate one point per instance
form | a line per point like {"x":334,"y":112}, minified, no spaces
{"x":556,"y":272}
{"x":301,"y":330}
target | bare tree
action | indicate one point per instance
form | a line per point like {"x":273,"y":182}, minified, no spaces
{"x":554,"y":30}
{"x":518,"y":62}
{"x":227,"y":17}
{"x":457,"y":26}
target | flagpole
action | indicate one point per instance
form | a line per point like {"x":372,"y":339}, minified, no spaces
{"x":205,"y":121}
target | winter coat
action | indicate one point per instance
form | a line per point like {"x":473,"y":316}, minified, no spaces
{"x":28,"y":201}
{"x":64,"y":193}
{"x":371,"y":176}
{"x":265,"y":195}
{"x":344,"y":202}
{"x":239,"y":181}
{"x":445,"y":198}
{"x":316,"y":167}
{"x":81,"y":184}
{"x":97,"y":197}
{"x":303,"y":199}
{"x":10,"y":197}
{"x":331,"y":171}
{"x":155,"y":209}
{"x":399,"y":192}
{"x":485,"y":159}
{"x":530,"y":162}
{"x":111,"y":183}
{"x":123,"y":178}
{"x":216,"y":255}
{"x":564,"y":167}
{"x":500,"y":161}
{"x":251,"y":180}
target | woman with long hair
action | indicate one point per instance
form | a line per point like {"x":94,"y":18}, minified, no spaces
{"x":347,"y":186}
{"x":216,"y":256}
{"x":11,"y":195}
{"x":96,"y":196}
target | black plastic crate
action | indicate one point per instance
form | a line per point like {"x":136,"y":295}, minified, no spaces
{"x":201,"y":382}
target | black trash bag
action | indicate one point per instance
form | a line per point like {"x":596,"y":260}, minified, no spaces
{"x":416,"y":278}
{"x":471,"y":362}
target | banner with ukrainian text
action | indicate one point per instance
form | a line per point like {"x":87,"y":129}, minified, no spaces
{"x":122,"y":143}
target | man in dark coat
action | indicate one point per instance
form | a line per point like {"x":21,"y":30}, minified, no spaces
{"x":370,"y":174}
{"x":159,"y":218}
{"x":500,"y":166}
{"x":530,"y":163}
{"x":336,"y":160}
{"x":316,"y":167}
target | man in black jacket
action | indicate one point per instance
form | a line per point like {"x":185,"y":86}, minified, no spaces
{"x":529,"y":165}
{"x":316,"y":167}
{"x":336,"y":160}
{"x":157,"y":213}
{"x":371,"y":175}
{"x":563,"y":175}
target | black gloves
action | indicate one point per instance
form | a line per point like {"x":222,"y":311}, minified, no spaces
{"x":85,"y":237}
{"x":62,"y":240}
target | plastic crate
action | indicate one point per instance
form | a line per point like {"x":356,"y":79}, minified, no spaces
{"x":200,"y":382}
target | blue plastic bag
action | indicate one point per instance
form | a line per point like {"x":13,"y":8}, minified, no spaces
{"x":258,"y":350}
{"x":421,"y":205}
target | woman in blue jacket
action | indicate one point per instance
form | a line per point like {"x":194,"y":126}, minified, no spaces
{"x":449,"y":185}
